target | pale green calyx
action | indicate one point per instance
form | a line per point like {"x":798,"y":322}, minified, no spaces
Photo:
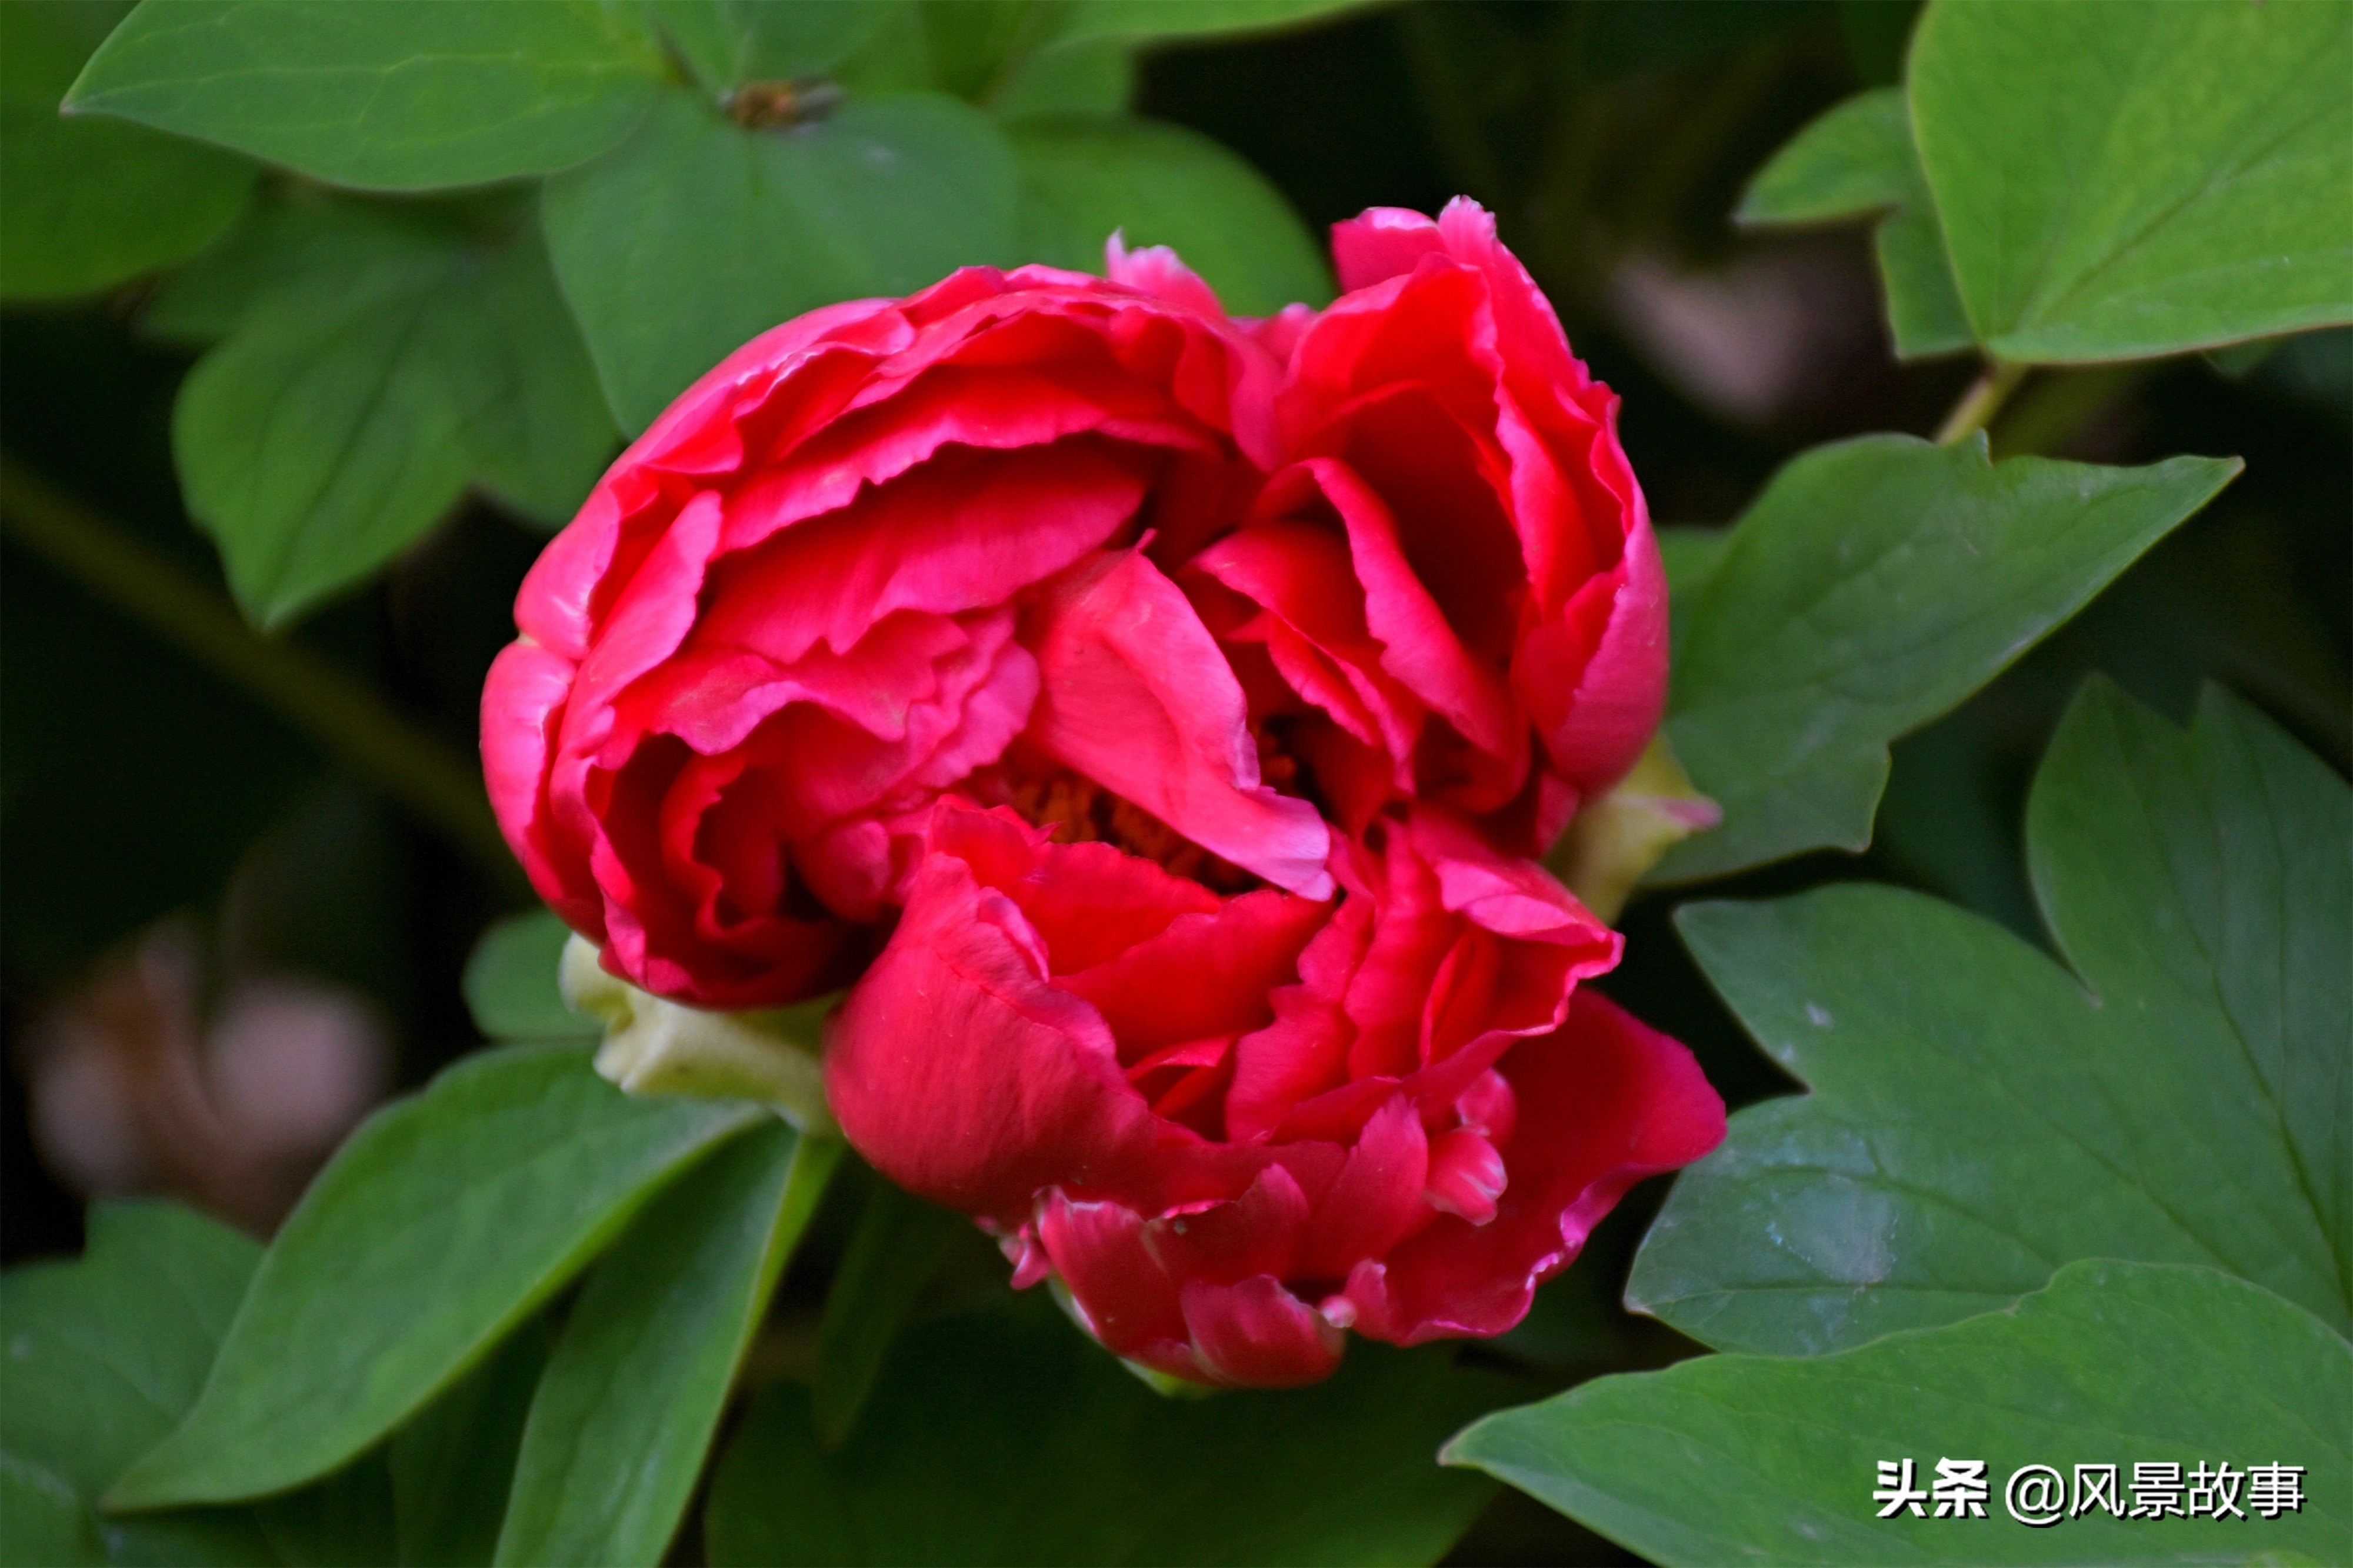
{"x":657,"y":1046}
{"x":1615,"y":839}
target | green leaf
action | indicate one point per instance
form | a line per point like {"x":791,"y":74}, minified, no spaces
{"x":437,"y":1229}
{"x":2119,"y":180}
{"x":281,"y":246}
{"x":1858,"y":159}
{"x":1769,"y":1459}
{"x":395,"y":95}
{"x":104,"y":1354}
{"x":1873,"y":585}
{"x":626,"y":1410}
{"x":730,"y":42}
{"x":537,"y":433}
{"x":368,"y":374}
{"x":1980,"y":1115}
{"x":108,"y":1353}
{"x":1689,"y":554}
{"x":897,"y":1246}
{"x":1163,"y":185}
{"x":86,"y":205}
{"x":1093,"y":77}
{"x":1151,"y":21}
{"x":451,"y":1467}
{"x":699,"y":234}
{"x":511,"y":982}
{"x":1046,"y":1450}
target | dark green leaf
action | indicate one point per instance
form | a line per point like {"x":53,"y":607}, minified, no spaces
{"x":898,"y":1246}
{"x":281,"y":246}
{"x":1770,"y":1459}
{"x":537,"y":432}
{"x":451,"y":1467}
{"x":511,"y":982}
{"x":1091,"y":77}
{"x":1163,"y":185}
{"x":1147,"y":21}
{"x":396,"y":95}
{"x":371,"y":372}
{"x":437,"y":1229}
{"x":85,"y":205}
{"x":2119,"y":180}
{"x":1856,"y":160}
{"x":626,"y":1410}
{"x":104,"y":1355}
{"x":1873,"y":585}
{"x":1008,"y":1438}
{"x":699,"y":234}
{"x":730,"y":42}
{"x":1980,"y":1115}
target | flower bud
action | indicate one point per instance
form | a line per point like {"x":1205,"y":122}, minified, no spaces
{"x":657,"y":1046}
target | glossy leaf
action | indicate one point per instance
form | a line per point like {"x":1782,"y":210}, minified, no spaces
{"x":1980,"y":1115}
{"x":898,"y":1244}
{"x":1858,"y":159}
{"x":396,"y":95}
{"x":511,"y":982}
{"x":1163,"y":185}
{"x":2119,"y":180}
{"x":730,"y":42}
{"x":626,"y":1410}
{"x":86,"y":204}
{"x":369,"y":375}
{"x":436,"y":1228}
{"x":1873,"y":585}
{"x":1772,"y":1459}
{"x":699,"y":233}
{"x":1008,"y":1438}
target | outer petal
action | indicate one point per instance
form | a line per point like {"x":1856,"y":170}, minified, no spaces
{"x":1127,"y":1299}
{"x":522,"y":707}
{"x":1258,"y":1334}
{"x":964,"y":1076}
{"x":1603,"y":1102}
{"x":1597,"y":691}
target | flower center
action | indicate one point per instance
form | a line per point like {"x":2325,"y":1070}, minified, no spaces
{"x":1082,"y":811}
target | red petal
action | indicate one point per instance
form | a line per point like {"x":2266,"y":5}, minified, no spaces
{"x":1257,"y":1334}
{"x":1603,"y":1102}
{"x":1136,"y":696}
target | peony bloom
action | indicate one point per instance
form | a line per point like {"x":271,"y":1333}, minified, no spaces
{"x":1449,"y":591}
{"x":832,"y":580}
{"x":1235,"y":1126}
{"x":1153,"y":719}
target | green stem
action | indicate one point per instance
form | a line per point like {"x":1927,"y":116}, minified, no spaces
{"x":1982,"y":402}
{"x":442,"y":788}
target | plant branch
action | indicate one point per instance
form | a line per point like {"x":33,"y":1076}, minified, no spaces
{"x":440,"y":786}
{"x":1982,"y":402}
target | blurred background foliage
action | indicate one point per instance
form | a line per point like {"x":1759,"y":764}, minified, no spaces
{"x":240,"y":888}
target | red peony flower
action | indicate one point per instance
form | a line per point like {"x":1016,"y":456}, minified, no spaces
{"x":1451,"y":590}
{"x":1235,"y":1126}
{"x":832,"y":580}
{"x":1156,"y":716}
